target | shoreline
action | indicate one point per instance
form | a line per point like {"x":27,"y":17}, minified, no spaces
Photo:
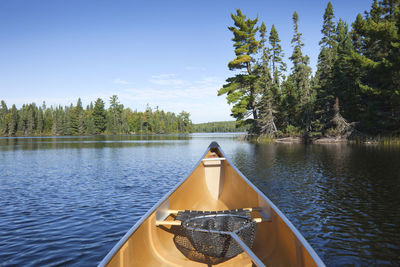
{"x":321,"y":140}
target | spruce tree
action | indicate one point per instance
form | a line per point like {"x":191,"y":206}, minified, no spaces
{"x":13,"y":124}
{"x":325,"y":96}
{"x":301,"y":73}
{"x":115,"y":115}
{"x":378,"y":68}
{"x":3,"y":118}
{"x":278,"y":66}
{"x":266,"y":121}
{"x":40,"y":121}
{"x":241,"y":88}
{"x":99,"y":116}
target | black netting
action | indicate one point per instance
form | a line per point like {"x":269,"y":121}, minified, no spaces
{"x":204,"y":237}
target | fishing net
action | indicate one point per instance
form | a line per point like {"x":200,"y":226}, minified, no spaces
{"x":205,"y":236}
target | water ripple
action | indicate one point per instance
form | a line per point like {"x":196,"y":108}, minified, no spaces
{"x":67,"y":201}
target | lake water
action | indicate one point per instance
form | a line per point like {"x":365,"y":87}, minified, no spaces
{"x":68,"y":200}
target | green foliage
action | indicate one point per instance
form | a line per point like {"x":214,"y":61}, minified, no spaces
{"x":358,"y":68}
{"x":95,"y":119}
{"x":278,"y":66}
{"x":219,"y":127}
{"x":99,"y":116}
{"x":300,"y":75}
{"x":241,"y":89}
{"x":322,"y":83}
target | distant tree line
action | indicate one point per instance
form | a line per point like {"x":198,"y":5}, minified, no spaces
{"x":219,"y":127}
{"x":356,"y":87}
{"x":31,"y":119}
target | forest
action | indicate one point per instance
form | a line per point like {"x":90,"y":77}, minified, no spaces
{"x":355,"y":90}
{"x":219,"y":127}
{"x":32,"y":120}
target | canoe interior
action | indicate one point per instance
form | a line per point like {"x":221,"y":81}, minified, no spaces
{"x":212,"y":186}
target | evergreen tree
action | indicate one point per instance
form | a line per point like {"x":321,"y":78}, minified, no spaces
{"x":378,"y":67}
{"x":115,"y":115}
{"x":99,"y":116}
{"x":40,"y":121}
{"x":325,"y":95}
{"x":76,"y":122}
{"x":13,"y":124}
{"x":3,"y":118}
{"x":265,"y":106}
{"x":278,"y":66}
{"x":301,"y":76}
{"x":240,"y":89}
{"x":48,"y":120}
{"x":289,"y":108}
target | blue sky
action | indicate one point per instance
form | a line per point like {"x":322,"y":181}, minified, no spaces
{"x":171,"y":54}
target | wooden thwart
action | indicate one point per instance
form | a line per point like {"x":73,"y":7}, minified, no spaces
{"x":244,"y":209}
{"x":178,"y":223}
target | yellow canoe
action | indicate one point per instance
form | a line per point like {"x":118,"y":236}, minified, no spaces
{"x":214,"y":189}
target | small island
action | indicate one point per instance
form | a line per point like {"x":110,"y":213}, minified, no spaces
{"x":353,"y":95}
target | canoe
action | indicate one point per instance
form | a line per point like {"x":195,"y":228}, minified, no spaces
{"x":215,"y":216}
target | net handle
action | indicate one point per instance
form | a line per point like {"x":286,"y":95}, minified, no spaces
{"x":246,"y":249}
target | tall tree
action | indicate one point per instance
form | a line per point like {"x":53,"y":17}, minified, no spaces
{"x":3,"y":118}
{"x":75,"y":115}
{"x":301,"y":73}
{"x":115,"y":115}
{"x":278,"y":66}
{"x":40,"y":121}
{"x":379,"y":75}
{"x":265,"y":106}
{"x":13,"y":124}
{"x":241,"y":89}
{"x":99,"y":116}
{"x":325,"y":95}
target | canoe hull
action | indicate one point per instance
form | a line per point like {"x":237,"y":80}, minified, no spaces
{"x":212,"y":186}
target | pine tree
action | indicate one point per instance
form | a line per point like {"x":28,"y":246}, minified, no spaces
{"x":48,"y":119}
{"x":278,"y":66}
{"x":115,"y":115}
{"x":3,"y":118}
{"x":13,"y":124}
{"x":40,"y":121}
{"x":241,"y":89}
{"x":99,"y":117}
{"x":266,"y":121}
{"x":75,"y":118}
{"x":301,"y":73}
{"x":342,"y":83}
{"x":325,"y":96}
{"x":378,"y":67}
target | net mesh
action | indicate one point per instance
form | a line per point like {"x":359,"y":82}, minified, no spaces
{"x":204,"y":237}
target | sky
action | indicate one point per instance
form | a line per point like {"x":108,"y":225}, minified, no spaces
{"x":170,"y":54}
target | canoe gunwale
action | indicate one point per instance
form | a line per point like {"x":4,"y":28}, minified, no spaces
{"x":125,"y":238}
{"x":213,"y":145}
{"x":296,"y":232}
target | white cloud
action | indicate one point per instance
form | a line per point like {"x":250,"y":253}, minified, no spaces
{"x":198,"y":97}
{"x":167,"y":79}
{"x":120,"y":81}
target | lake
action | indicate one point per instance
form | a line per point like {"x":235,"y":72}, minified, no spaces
{"x":68,"y":200}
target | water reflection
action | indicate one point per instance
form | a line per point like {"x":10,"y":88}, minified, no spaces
{"x":343,"y":198}
{"x":68,"y":200}
{"x":79,"y":142}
